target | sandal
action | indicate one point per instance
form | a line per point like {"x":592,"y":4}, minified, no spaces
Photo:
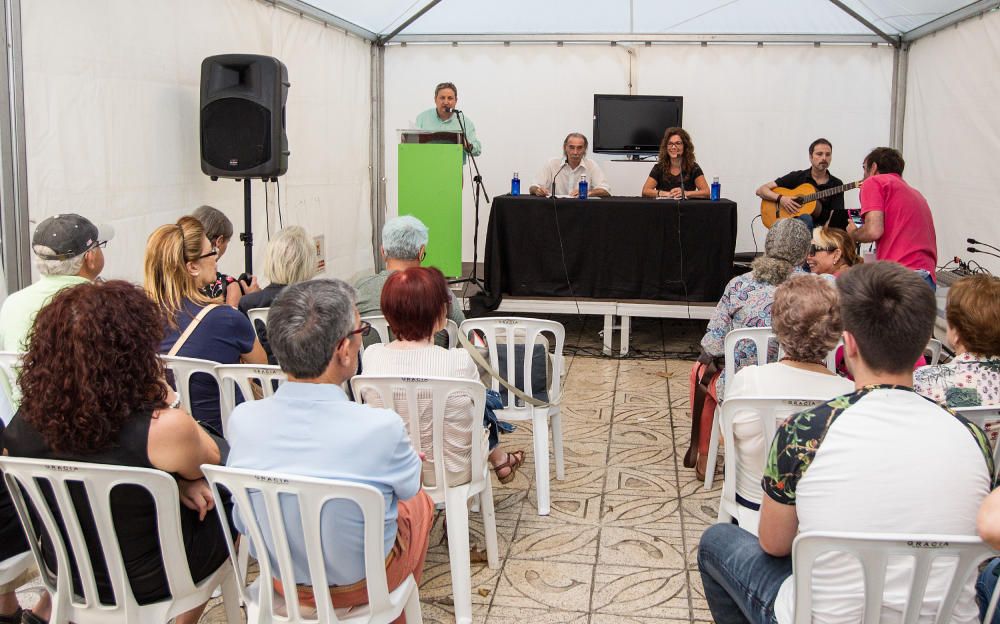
{"x":28,"y":617}
{"x":512,"y":462}
{"x":14,"y":618}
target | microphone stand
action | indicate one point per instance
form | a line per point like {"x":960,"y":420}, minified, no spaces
{"x":477,"y":188}
{"x":982,"y":251}
{"x":683,"y":192}
{"x":973,"y":241}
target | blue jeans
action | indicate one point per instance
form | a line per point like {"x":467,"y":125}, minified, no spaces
{"x":741,"y":580}
{"x":926,"y":275}
{"x":985,"y":585}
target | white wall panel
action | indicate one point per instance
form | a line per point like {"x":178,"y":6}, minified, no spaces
{"x":951,"y":136}
{"x":752,"y":111}
{"x":112,"y":110}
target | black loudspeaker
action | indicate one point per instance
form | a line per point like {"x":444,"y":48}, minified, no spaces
{"x":243,"y":116}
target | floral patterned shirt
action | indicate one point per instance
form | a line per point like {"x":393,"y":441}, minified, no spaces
{"x":746,"y":302}
{"x":969,"y":380}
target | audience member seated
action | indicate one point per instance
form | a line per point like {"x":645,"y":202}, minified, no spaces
{"x":68,"y":251}
{"x":988,"y":524}
{"x":12,"y":543}
{"x":93,"y":391}
{"x":746,"y":302}
{"x":315,"y":332}
{"x":415,"y":303}
{"x":219,"y":230}
{"x":832,"y":251}
{"x":179,"y":263}
{"x":290,"y":258}
{"x":972,"y":377}
{"x":404,"y":245}
{"x":882,"y":459}
{"x":806,"y":319}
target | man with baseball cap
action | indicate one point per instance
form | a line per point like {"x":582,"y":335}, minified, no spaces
{"x":67,"y":252}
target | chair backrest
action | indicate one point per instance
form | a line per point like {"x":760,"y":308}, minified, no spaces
{"x":761,"y":337}
{"x":769,"y":411}
{"x":873,"y":551}
{"x":24,"y":479}
{"x":309,"y":495}
{"x":251,"y":379}
{"x":258,"y":314}
{"x":381,"y":328}
{"x":10,"y":368}
{"x":403,"y":394}
{"x":933,"y":349}
{"x":509,"y":332}
{"x":988,"y":419}
{"x":452,"y":328}
{"x":182,"y":369}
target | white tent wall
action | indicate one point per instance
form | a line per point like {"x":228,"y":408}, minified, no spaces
{"x":752,"y":111}
{"x":112,"y":110}
{"x":951,"y":137}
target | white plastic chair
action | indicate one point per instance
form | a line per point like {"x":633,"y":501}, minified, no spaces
{"x":10,"y":368}
{"x":397,"y":392}
{"x":873,"y":551}
{"x":769,"y":412}
{"x":183,"y":368}
{"x":310,"y":495}
{"x":511,"y":331}
{"x":24,"y":477}
{"x":15,"y":566}
{"x":761,"y":337}
{"x":258,"y":314}
{"x":988,"y":419}
{"x":934,"y":350}
{"x":381,"y":328}
{"x":243,"y":376}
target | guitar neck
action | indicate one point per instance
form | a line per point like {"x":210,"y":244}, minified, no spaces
{"x":830,"y":191}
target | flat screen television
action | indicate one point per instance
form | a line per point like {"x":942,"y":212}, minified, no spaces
{"x":634,"y":124}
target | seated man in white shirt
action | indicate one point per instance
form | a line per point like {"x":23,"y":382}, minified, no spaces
{"x":566,"y":172}
{"x":882,"y":459}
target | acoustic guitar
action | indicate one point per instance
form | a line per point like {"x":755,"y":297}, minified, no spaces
{"x":805,"y":194}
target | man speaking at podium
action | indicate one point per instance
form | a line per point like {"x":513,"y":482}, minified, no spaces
{"x":444,"y":118}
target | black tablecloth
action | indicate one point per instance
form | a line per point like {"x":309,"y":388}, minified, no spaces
{"x":615,"y":248}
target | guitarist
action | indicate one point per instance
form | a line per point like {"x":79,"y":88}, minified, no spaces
{"x":829,"y":211}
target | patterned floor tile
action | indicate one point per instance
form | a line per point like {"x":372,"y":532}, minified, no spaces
{"x":513,"y":615}
{"x":655,"y":433}
{"x":567,"y":507}
{"x":545,"y":585}
{"x":586,"y":412}
{"x":654,"y":547}
{"x":639,"y":481}
{"x":644,"y":413}
{"x":634,"y":591}
{"x":540,"y":539}
{"x":653,"y":458}
{"x":632,"y":511}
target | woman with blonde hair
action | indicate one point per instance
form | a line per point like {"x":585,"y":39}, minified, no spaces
{"x":290,"y":259}
{"x":676,"y":168}
{"x":832,"y":251}
{"x":180,"y":261}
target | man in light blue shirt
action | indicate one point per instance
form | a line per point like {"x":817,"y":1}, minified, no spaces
{"x":310,"y":428}
{"x":444,"y":118}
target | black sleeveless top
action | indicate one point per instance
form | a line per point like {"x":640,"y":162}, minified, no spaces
{"x":12,"y":540}
{"x":133,"y":513}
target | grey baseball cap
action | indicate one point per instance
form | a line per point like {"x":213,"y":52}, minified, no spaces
{"x":68,"y":236}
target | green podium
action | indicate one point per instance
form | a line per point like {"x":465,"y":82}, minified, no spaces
{"x":430,"y":189}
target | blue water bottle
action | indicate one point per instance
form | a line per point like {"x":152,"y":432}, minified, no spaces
{"x":716,"y":189}
{"x":583,"y":186}
{"x":515,"y":185}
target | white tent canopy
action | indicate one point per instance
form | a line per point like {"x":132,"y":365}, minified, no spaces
{"x":102,"y":113}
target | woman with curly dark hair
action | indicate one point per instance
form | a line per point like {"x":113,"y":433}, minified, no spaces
{"x":93,"y":391}
{"x":676,"y":168}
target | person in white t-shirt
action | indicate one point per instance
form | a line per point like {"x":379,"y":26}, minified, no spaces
{"x":882,"y":459}
{"x":566,"y":172}
{"x":806,"y":319}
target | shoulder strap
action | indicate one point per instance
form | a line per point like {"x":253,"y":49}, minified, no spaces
{"x":478,"y":358}
{"x":190,"y":328}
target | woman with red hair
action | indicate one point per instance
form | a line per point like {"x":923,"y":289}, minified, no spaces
{"x":416,"y":303}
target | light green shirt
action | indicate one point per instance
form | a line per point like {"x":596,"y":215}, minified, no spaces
{"x":18,"y":312}
{"x":429,"y":120}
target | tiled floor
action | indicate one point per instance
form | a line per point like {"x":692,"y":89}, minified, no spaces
{"x":619,"y":546}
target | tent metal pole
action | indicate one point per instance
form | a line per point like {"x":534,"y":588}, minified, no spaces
{"x":382,"y":40}
{"x":377,"y":152}
{"x":969,"y":11}
{"x":13,"y":156}
{"x":894,"y":41}
{"x":639,"y":38}
{"x":300,"y":7}
{"x":900,"y":62}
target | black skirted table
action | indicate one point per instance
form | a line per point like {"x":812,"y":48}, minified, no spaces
{"x":620,"y":248}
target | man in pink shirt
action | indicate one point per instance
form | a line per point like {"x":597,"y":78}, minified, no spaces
{"x":896,"y":216}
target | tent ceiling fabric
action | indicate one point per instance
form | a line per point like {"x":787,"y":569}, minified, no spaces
{"x":680,"y":17}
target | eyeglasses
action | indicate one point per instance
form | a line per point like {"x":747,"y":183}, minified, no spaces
{"x":813,"y":249}
{"x":675,"y":144}
{"x":364,"y":330}
{"x":214,"y":252}
{"x":98,"y":245}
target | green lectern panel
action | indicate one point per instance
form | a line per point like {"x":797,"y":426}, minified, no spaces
{"x":430,"y":189}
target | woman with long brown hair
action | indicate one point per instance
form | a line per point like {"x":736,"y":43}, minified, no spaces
{"x":676,"y":168}
{"x":180,"y":261}
{"x":93,"y":391}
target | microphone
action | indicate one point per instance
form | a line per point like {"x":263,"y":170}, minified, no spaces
{"x":973,"y":241}
{"x":982,"y":251}
{"x":449,"y":109}
{"x":558,"y":171}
